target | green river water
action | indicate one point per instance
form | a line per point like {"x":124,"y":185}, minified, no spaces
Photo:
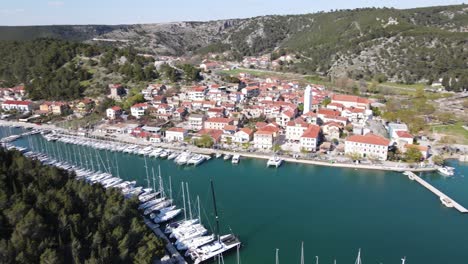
{"x":333,"y":211}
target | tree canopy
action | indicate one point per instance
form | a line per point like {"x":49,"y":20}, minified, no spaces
{"x":47,"y":216}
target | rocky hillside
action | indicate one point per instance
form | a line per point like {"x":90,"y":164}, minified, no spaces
{"x":403,"y":45}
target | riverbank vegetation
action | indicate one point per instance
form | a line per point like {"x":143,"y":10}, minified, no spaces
{"x":47,"y":216}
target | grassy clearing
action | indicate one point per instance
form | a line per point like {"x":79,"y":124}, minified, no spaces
{"x":455,"y":131}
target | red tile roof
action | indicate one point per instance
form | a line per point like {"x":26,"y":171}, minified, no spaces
{"x":349,"y":98}
{"x":219,"y":120}
{"x":176,"y":129}
{"x":328,"y":112}
{"x":247,"y":130}
{"x":312,"y":132}
{"x":13,"y":102}
{"x":369,"y":139}
{"x":404,"y":134}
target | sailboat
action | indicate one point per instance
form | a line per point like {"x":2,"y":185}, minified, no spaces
{"x":219,"y":246}
{"x":302,"y":253}
{"x":358,"y":259}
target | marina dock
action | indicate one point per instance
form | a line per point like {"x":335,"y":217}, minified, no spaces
{"x":169,"y":246}
{"x":434,"y":190}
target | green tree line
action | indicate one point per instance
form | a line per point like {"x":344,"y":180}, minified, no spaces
{"x":47,"y":216}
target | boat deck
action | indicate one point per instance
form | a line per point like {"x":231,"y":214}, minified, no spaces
{"x":434,"y":190}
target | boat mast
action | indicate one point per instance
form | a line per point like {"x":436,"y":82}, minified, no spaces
{"x":188,"y":200}
{"x":216,"y":211}
{"x":117,"y":165}
{"x":277,"y":257}
{"x":238,"y":255}
{"x":358,"y":259}
{"x":147,"y":176}
{"x":183,"y":199}
{"x":198,"y":201}
{"x":170,"y":188}
{"x":154,"y":179}
{"x":302,"y":252}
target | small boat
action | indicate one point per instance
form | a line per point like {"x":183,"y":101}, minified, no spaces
{"x":446,"y":201}
{"x":274,"y":161}
{"x":218,"y":155}
{"x":446,"y":171}
{"x":235,"y":159}
{"x":227,"y":156}
{"x":173,"y":155}
{"x":163,"y":154}
{"x":196,"y":160}
{"x":183,"y":158}
{"x":167,"y":216}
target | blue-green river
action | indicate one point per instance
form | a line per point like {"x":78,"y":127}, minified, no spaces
{"x":333,"y":211}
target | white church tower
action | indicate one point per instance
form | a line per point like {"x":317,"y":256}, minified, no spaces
{"x":307,"y":99}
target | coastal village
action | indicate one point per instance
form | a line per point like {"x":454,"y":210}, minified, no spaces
{"x":262,"y":115}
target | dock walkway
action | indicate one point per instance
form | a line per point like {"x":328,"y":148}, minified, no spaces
{"x":434,"y":190}
{"x":174,"y":253}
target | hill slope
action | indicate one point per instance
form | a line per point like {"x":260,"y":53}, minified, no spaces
{"x":404,"y":45}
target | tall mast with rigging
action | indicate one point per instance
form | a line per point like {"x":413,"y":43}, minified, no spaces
{"x":216,"y":211}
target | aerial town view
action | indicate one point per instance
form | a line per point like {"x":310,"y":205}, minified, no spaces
{"x":234,"y":132}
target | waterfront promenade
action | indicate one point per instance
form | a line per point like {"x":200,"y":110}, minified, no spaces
{"x":401,"y":167}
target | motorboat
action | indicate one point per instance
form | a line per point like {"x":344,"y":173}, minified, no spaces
{"x":196,"y":160}
{"x":183,"y":158}
{"x":446,"y":171}
{"x":274,"y":161}
{"x":218,"y":155}
{"x":235,"y":159}
{"x":227,"y":156}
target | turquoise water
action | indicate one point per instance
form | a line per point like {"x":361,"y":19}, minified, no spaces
{"x":334,"y":211}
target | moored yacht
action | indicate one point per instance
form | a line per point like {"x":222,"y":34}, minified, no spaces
{"x":235,"y":159}
{"x":446,"y":171}
{"x":274,"y":161}
{"x":196,"y":160}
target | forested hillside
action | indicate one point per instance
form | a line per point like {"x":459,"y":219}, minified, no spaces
{"x":413,"y":45}
{"x":54,"y":69}
{"x":46,"y":216}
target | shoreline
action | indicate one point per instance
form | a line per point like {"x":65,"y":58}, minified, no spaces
{"x":380,"y":167}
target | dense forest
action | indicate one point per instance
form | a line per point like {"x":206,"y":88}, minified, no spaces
{"x":45,"y":66}
{"x":46,"y":216}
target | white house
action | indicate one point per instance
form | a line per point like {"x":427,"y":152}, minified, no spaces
{"x":197,"y":93}
{"x":310,"y":138}
{"x":367,"y":146}
{"x":218,"y":123}
{"x":394,"y":127}
{"x":244,"y":135}
{"x":295,"y":129}
{"x":113,"y":112}
{"x":138,"y":110}
{"x":21,"y":106}
{"x":402,"y":138}
{"x":174,"y":134}
{"x":264,"y":139}
{"x":195,"y":122}
{"x":351,"y":101}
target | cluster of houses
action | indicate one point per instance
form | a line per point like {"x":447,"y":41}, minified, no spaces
{"x":265,"y":114}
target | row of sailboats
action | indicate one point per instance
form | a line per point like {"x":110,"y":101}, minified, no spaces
{"x":189,"y":234}
{"x":358,"y":258}
{"x":179,"y":157}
